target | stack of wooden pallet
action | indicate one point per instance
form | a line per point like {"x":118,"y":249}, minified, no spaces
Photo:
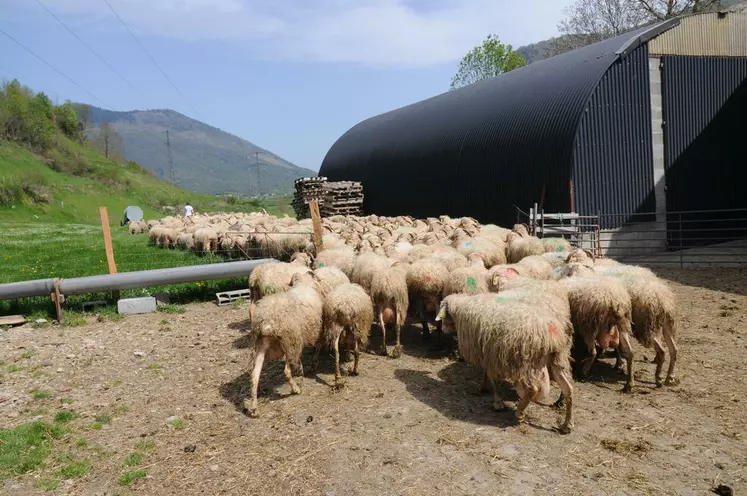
{"x":307,"y":188}
{"x":342,"y":198}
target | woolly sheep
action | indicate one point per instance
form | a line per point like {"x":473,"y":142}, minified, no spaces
{"x":348,"y":317}
{"x":513,"y":341}
{"x":493,"y":252}
{"x":426,"y":279}
{"x":470,"y":280}
{"x":601,"y":313}
{"x":206,"y":240}
{"x":343,"y":258}
{"x":390,"y":298}
{"x":366,"y":266}
{"x":330,"y":278}
{"x":167,"y":238}
{"x":283,"y":325}
{"x":558,"y":245}
{"x":154,"y":234}
{"x":519,"y":246}
{"x":134,"y":228}
{"x":270,"y":278}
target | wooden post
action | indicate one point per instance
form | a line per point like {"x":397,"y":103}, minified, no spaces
{"x":316,"y":222}
{"x":104,"y":214}
{"x":58,"y":299}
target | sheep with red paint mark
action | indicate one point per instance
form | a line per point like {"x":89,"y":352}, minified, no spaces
{"x":513,"y":341}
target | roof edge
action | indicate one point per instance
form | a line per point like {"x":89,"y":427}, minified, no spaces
{"x":647,"y":35}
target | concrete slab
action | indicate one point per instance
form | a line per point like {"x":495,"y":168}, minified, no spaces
{"x":730,"y":254}
{"x":145,"y":304}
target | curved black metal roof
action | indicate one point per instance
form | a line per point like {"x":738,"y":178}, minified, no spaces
{"x":480,"y":149}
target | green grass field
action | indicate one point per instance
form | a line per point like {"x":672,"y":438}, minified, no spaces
{"x":62,"y":237}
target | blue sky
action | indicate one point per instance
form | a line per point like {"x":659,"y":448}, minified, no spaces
{"x":288,"y":75}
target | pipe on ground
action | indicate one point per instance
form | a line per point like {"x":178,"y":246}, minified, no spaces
{"x":131,"y":280}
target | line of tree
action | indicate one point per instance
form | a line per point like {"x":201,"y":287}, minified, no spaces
{"x":584,"y":22}
{"x":33,"y":120}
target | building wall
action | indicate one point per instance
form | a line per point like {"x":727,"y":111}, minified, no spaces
{"x":705,"y":35}
{"x":613,"y":158}
{"x":705,"y":109}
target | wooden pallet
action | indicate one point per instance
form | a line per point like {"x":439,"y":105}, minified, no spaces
{"x":228,"y":297}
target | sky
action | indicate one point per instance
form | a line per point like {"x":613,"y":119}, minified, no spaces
{"x":290,"y":76}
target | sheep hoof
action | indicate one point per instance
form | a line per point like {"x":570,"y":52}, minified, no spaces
{"x":671,"y":381}
{"x":397,"y":352}
{"x":384,"y":351}
{"x":253,"y":412}
{"x":296,"y":390}
{"x":499,"y":406}
{"x":565,"y":428}
{"x":628,"y":388}
{"x":659,"y":383}
{"x":352,"y":372}
{"x":338,"y":385}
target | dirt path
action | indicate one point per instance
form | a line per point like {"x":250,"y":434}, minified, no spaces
{"x":416,"y":425}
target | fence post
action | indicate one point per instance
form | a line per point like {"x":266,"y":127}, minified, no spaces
{"x":316,"y":223}
{"x":104,"y":214}
{"x":679,"y":217}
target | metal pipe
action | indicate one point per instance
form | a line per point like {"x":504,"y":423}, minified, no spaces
{"x":131,"y":280}
{"x":26,"y":289}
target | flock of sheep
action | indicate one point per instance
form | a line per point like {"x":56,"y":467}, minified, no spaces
{"x":519,"y":305}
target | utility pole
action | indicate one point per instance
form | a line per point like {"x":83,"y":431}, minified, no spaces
{"x":172,"y":173}
{"x":258,"y":165}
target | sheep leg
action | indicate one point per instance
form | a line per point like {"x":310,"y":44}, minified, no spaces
{"x":562,"y":379}
{"x":591,"y":357}
{"x":659,"y":360}
{"x":426,"y":330}
{"x":251,"y":310}
{"x":627,"y":352}
{"x":498,"y":404}
{"x":338,"y":380}
{"x":383,"y":334}
{"x":259,"y":359}
{"x":618,"y":360}
{"x":397,"y":352}
{"x":357,"y":356}
{"x":530,"y":391}
{"x":289,"y":377}
{"x":672,"y":346}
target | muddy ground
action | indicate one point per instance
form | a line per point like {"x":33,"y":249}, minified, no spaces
{"x":414,"y":425}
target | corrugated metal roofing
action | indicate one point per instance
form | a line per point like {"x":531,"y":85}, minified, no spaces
{"x":613,"y":154}
{"x":481,"y":149}
{"x":705,"y":35}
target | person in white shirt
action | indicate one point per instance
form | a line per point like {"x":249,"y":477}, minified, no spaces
{"x":188,"y":210}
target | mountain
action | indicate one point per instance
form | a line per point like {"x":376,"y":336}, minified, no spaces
{"x":206,"y":159}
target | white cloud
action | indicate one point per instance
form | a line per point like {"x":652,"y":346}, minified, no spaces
{"x":389,"y":33}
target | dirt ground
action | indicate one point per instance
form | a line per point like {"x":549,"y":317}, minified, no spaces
{"x":414,"y":425}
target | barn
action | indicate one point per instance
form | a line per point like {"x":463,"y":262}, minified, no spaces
{"x":631,"y":128}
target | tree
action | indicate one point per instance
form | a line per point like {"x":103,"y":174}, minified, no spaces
{"x":67,"y":121}
{"x":666,"y":9}
{"x":590,"y":21}
{"x":108,"y":140}
{"x":486,"y":61}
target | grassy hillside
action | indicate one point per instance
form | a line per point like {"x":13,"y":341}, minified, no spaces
{"x":206,"y":159}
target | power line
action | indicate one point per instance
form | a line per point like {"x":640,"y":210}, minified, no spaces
{"x":91,"y":49}
{"x":54,"y":68}
{"x":151,"y":58}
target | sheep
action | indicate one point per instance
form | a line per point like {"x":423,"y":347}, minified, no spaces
{"x":343,"y":258}
{"x":348,"y":316}
{"x":447,"y":255}
{"x":206,"y":240}
{"x":426,"y":279}
{"x":519,"y":246}
{"x":560,"y":245}
{"x":329,"y":278}
{"x":270,"y":278}
{"x":167,"y":238}
{"x":284,"y":324}
{"x":390,"y":297}
{"x":601,"y":312}
{"x":493,"y":252}
{"x":470,"y":280}
{"x":366,"y":266}
{"x":185,"y":241}
{"x":134,"y":228}
{"x":653,"y":314}
{"x":513,"y":341}
{"x":154,"y":234}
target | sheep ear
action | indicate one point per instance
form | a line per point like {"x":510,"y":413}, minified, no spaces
{"x":441,"y":312}
{"x":591,"y":255}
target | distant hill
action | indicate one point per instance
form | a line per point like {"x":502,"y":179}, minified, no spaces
{"x":206,"y":159}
